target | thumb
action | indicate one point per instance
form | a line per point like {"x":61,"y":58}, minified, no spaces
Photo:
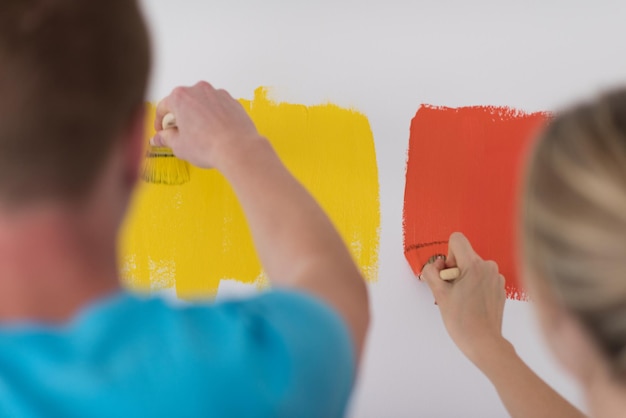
{"x":165,"y":138}
{"x":460,"y":251}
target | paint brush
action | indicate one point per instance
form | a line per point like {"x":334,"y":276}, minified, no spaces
{"x":449,"y":274}
{"x":161,"y":166}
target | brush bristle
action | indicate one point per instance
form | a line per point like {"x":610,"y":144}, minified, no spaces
{"x":162,"y":167}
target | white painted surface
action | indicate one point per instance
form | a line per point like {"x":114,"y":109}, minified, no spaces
{"x":385,"y":58}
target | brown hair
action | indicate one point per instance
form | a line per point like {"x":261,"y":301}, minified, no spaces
{"x":574,"y":218}
{"x":72,"y":72}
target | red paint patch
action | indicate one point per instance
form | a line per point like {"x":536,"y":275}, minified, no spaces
{"x":463,"y":174}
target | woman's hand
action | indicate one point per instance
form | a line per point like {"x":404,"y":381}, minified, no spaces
{"x":472,"y":308}
{"x":472,"y":305}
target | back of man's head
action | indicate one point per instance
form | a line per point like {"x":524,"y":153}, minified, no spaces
{"x":72,"y":74}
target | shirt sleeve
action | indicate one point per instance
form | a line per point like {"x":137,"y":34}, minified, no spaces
{"x":280,"y":354}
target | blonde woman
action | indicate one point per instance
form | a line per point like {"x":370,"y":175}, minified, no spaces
{"x":573,"y":235}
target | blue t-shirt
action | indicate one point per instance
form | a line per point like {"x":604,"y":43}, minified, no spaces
{"x":280,"y":354}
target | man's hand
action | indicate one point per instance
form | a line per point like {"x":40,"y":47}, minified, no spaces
{"x":471,"y":306}
{"x":211,"y":125}
{"x":296,"y":242}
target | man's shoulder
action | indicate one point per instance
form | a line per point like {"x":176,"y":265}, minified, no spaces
{"x":275,"y":354}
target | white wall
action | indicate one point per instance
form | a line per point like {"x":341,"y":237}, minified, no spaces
{"x":386,"y":58}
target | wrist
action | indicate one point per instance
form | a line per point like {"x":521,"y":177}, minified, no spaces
{"x":491,"y":354}
{"x":236,"y":154}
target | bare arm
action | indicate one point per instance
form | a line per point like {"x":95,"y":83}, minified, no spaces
{"x":472,"y":307}
{"x":523,"y":393}
{"x":296,"y":242}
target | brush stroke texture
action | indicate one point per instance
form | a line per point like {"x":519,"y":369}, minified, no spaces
{"x":463,"y":174}
{"x":193,"y":236}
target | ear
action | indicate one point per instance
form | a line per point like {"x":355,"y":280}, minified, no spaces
{"x":134,"y":145}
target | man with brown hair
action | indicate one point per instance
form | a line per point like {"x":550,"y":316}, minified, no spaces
{"x":72,"y":343}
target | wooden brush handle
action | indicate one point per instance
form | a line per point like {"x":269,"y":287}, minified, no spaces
{"x":450,"y":274}
{"x":169,"y":121}
{"x":447,"y":274}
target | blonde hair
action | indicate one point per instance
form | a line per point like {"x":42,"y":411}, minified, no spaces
{"x":574,"y":218}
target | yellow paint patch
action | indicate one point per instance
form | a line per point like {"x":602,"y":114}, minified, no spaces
{"x":194,"y":235}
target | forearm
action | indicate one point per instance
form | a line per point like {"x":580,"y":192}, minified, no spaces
{"x":522,"y":392}
{"x":290,"y":231}
{"x":296,"y":242}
